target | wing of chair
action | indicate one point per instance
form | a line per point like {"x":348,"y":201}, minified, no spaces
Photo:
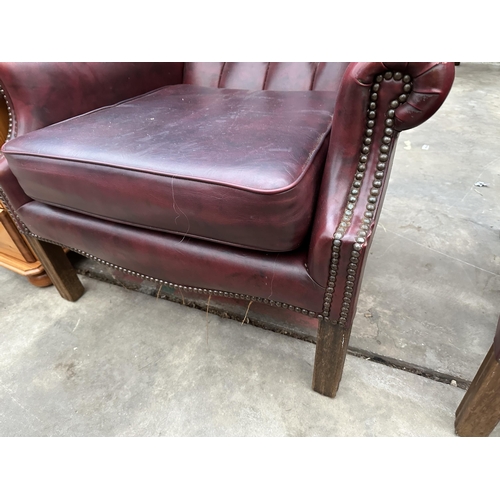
{"x":255,"y":181}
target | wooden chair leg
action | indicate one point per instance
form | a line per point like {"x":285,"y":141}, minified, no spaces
{"x":331,"y":350}
{"x":59,"y":269}
{"x":479,"y":411}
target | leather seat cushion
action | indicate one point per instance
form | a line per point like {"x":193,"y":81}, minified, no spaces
{"x":233,"y":166}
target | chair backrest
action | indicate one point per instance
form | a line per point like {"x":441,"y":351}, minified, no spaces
{"x":266,"y":76}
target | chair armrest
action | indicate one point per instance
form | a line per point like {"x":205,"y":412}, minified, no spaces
{"x":376,"y":101}
{"x":40,"y":94}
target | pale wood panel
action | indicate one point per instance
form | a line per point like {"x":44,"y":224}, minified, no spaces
{"x":17,"y":239}
{"x":15,"y":253}
{"x":20,"y":267}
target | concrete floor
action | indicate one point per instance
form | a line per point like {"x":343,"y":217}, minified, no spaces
{"x":121,"y":363}
{"x":431,"y":290}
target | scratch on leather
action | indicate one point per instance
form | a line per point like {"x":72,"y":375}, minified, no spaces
{"x":175,"y":207}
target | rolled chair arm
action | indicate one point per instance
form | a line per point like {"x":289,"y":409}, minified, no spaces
{"x":376,"y":101}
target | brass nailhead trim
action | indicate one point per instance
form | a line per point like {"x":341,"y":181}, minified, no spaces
{"x":341,"y":229}
{"x":176,"y":286}
{"x":10,"y":112}
{"x":372,"y":200}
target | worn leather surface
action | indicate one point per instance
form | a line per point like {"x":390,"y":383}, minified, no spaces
{"x":186,"y":261}
{"x":431,"y":85}
{"x":233,"y":166}
{"x":45,"y":93}
{"x":41,"y":94}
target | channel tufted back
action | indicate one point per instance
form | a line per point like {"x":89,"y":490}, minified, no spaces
{"x":266,"y":76}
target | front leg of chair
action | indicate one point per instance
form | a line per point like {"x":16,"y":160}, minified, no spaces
{"x":479,"y":412}
{"x":376,"y":101}
{"x":59,"y":268}
{"x":331,"y":350}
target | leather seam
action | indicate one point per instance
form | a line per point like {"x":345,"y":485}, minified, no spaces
{"x":313,"y":80}
{"x":165,"y":231}
{"x":307,"y":165}
{"x":265,"y":76}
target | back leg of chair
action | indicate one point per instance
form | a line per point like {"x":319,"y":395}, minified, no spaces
{"x":59,"y":269}
{"x":479,"y":411}
{"x":331,"y":350}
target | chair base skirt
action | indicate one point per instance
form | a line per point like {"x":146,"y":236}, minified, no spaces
{"x":279,"y":280}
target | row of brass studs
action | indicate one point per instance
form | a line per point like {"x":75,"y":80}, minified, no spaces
{"x":10,"y":114}
{"x":383,"y":158}
{"x":351,"y":201}
{"x":204,"y":291}
{"x":3,"y":196}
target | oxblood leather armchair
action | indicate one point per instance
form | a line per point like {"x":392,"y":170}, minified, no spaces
{"x":258,"y":181}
